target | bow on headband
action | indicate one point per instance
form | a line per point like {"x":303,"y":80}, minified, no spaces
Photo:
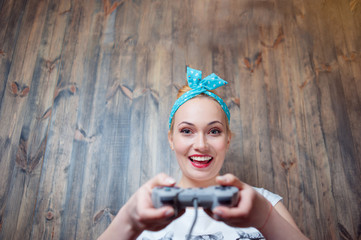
{"x":198,"y":86}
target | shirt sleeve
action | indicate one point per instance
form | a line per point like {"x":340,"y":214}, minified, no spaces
{"x":271,"y":197}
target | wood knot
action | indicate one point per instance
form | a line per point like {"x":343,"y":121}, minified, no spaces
{"x":49,"y":216}
{"x":252,"y":63}
{"x":2,"y":53}
{"x":19,"y":90}
{"x":103,"y":212}
{"x":287,"y":165}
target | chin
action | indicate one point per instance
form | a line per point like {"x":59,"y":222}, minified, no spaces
{"x":201,"y":177}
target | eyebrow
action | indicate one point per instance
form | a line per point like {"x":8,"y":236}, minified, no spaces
{"x":215,"y":122}
{"x":211,"y":123}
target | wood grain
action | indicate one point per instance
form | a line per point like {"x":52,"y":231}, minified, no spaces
{"x":86,"y":88}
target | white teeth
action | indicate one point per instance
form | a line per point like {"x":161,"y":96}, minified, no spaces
{"x":201,"y":159}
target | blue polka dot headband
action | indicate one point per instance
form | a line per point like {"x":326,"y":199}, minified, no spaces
{"x":198,"y":86}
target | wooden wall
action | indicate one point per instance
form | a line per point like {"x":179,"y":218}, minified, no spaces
{"x":86,"y":87}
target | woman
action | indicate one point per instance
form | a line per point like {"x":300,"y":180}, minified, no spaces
{"x":200,"y":136}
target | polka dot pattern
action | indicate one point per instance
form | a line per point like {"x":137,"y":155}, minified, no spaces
{"x":198,"y":86}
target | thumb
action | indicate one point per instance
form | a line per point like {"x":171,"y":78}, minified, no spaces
{"x":161,"y":179}
{"x":158,"y":213}
{"x":230,"y":180}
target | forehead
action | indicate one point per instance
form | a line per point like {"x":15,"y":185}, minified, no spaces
{"x":200,"y":109}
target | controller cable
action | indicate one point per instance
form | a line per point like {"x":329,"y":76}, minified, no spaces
{"x":195,"y":205}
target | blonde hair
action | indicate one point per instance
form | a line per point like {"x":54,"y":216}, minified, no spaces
{"x":185,"y":89}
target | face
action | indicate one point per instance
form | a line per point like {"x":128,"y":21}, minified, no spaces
{"x":200,"y":139}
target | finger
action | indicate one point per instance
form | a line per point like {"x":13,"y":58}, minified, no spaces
{"x":230,"y":180}
{"x":157,"y":213}
{"x":243,"y":208}
{"x":229,"y":213}
{"x":161,"y":179}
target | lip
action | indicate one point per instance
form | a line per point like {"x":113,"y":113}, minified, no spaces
{"x":202,"y":161}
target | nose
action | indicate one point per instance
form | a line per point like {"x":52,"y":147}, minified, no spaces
{"x":200,"y":143}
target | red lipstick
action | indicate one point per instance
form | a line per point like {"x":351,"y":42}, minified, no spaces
{"x":200,"y":161}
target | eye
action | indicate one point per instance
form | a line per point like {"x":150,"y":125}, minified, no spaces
{"x":215,"y":131}
{"x":186,"y":131}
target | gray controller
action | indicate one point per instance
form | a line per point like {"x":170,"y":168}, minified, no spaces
{"x":208,"y":198}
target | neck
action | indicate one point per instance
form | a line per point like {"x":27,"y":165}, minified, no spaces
{"x":191,"y":183}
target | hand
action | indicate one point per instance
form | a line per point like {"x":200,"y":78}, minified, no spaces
{"x":139,"y":214}
{"x":252,"y":209}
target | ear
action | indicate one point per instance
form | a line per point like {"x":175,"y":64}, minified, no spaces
{"x":229,"y":137}
{"x":170,"y":140}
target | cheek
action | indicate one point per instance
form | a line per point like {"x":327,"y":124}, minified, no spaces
{"x":220,"y":146}
{"x":180,"y":147}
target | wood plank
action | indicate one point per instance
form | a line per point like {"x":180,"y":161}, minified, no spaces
{"x":308,"y":131}
{"x":334,"y":130}
{"x":50,"y":211}
{"x":8,"y":36}
{"x":44,"y":81}
{"x":21,"y":159}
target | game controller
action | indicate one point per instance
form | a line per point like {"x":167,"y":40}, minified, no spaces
{"x":208,"y":198}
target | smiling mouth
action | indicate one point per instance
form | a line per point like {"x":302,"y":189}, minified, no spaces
{"x":200,"y":161}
